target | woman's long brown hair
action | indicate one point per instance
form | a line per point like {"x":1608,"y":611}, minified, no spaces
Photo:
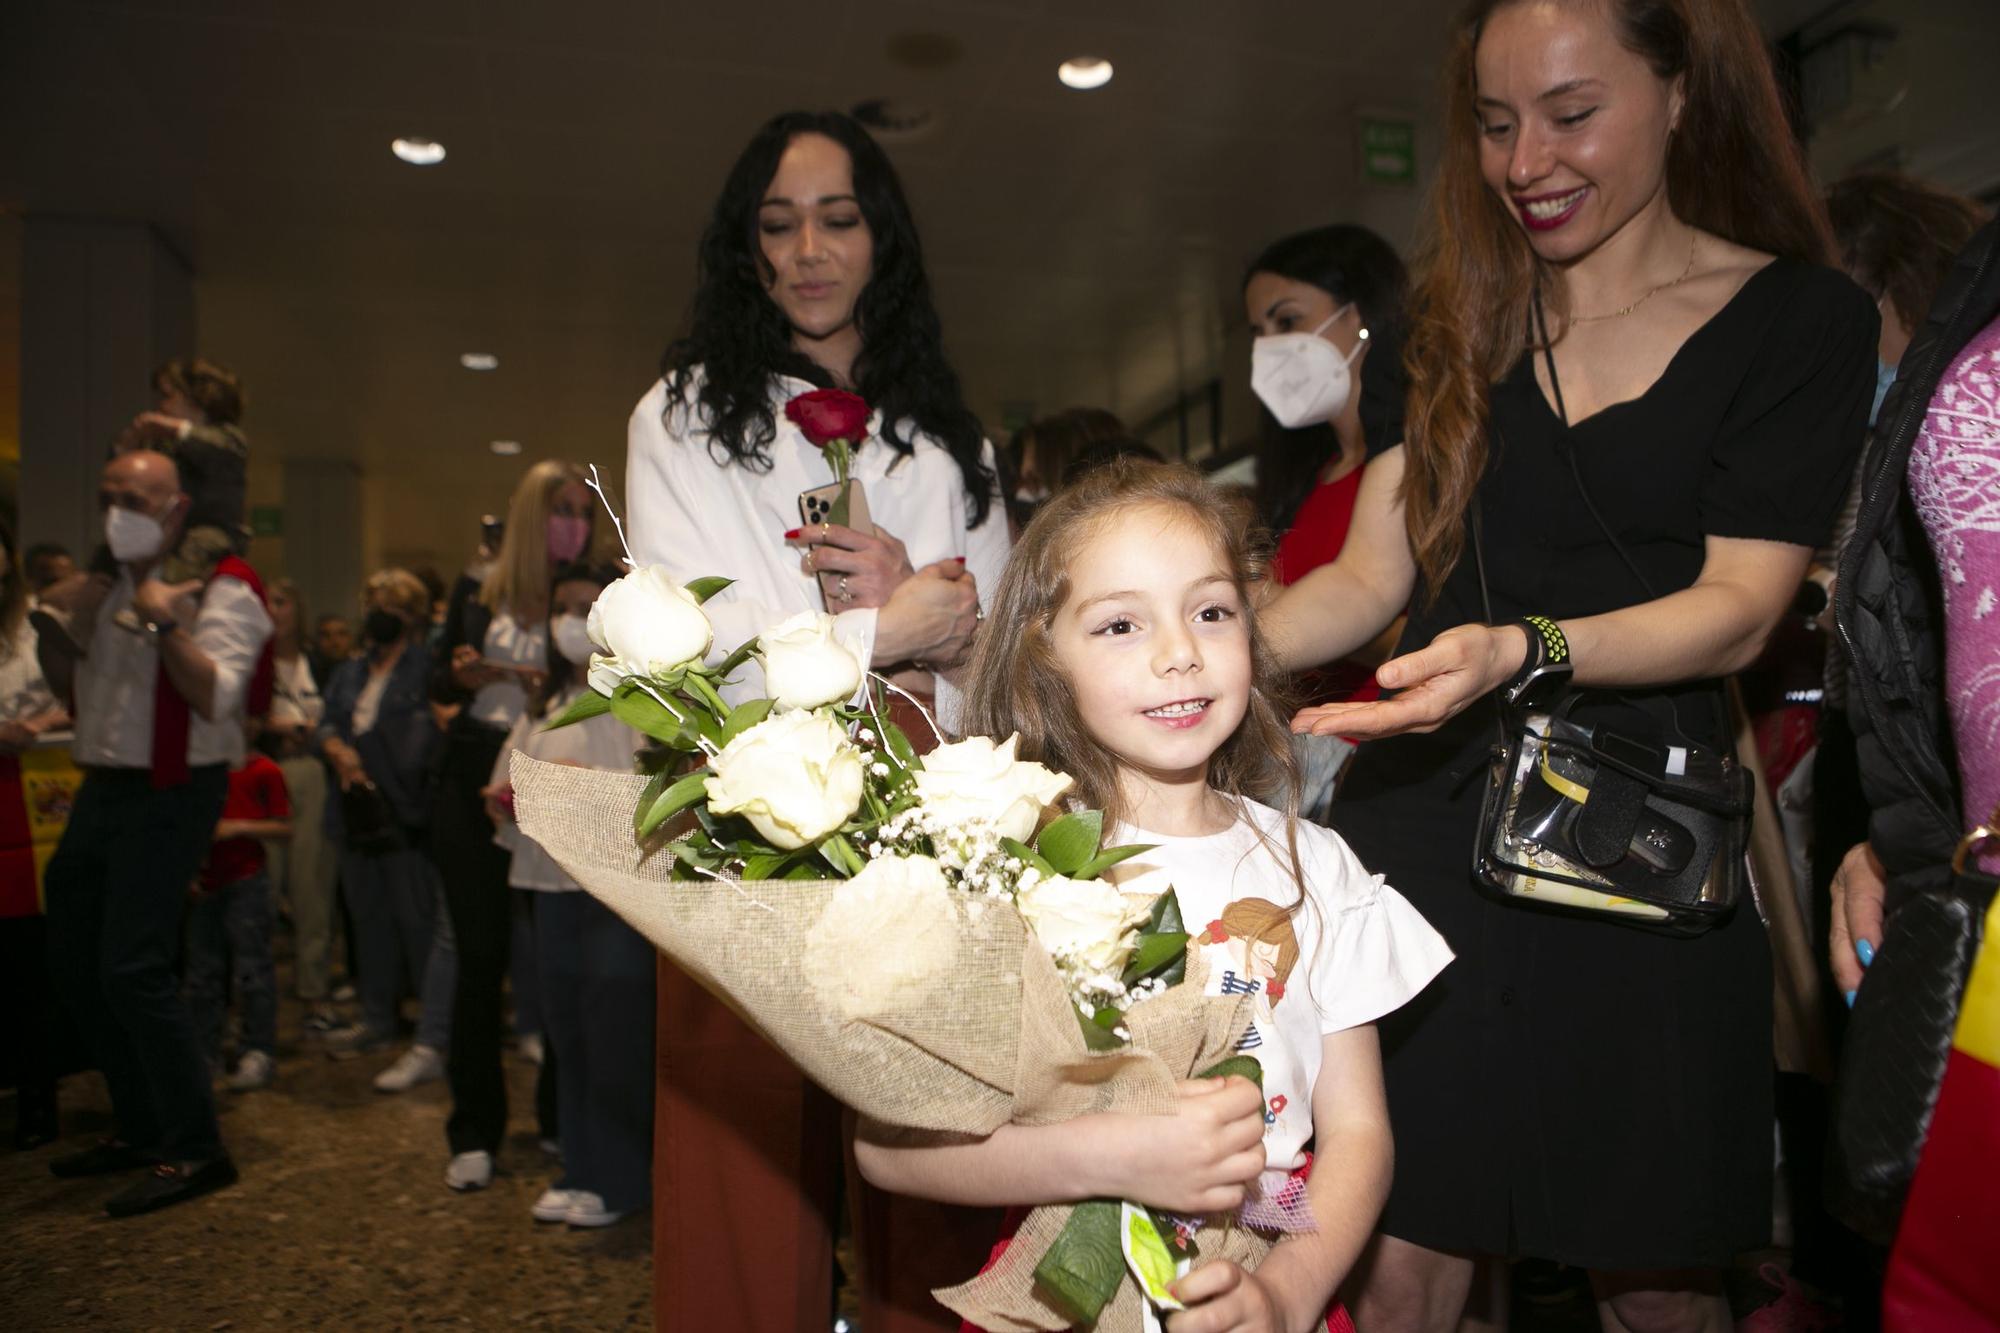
{"x":1734,"y":169}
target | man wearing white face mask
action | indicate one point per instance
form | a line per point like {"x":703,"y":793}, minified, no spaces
{"x":159,"y":722}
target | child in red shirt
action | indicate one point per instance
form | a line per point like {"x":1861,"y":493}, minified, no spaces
{"x":230,"y":923}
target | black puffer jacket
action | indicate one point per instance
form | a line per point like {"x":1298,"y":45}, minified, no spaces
{"x":1891,"y":620}
{"x":1888,"y":607}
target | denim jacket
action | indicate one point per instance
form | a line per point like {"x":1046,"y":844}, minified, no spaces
{"x":400,"y":752}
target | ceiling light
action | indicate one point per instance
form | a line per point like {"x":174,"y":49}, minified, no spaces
{"x":479,"y":360}
{"x":424,"y":152}
{"x":505,"y":448}
{"x":1084,"y":73}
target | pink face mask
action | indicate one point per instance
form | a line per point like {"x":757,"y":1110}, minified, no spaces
{"x":567,"y":537}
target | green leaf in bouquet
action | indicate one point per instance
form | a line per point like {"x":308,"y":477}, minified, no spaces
{"x":637,"y":709}
{"x":1239,"y":1066}
{"x":898,"y":745}
{"x":1071,"y":842}
{"x":1154,"y":952}
{"x":1097,"y":1029}
{"x":721,"y":670}
{"x":1110,"y":857}
{"x":1023,"y":852}
{"x":765,"y":865}
{"x":585,"y":706}
{"x":704,"y":588}
{"x":651,"y":793}
{"x":676,"y":798}
{"x":1084,"y":1264}
{"x":743,"y":717}
{"x":841,"y":855}
{"x":1165,"y":919}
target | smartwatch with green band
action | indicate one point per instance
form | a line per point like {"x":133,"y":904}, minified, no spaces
{"x":1545,"y":672}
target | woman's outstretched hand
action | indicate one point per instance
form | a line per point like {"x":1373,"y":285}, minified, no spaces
{"x":874,"y":562}
{"x":1434,"y":684}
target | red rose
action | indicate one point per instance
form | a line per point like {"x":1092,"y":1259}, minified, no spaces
{"x":826,"y":415}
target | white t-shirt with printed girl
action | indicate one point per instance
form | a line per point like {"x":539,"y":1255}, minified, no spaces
{"x":1354,"y":951}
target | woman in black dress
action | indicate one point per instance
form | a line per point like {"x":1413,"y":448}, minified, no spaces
{"x":1575,"y":1089}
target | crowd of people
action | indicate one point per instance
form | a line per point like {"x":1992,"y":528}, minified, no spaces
{"x":1595,"y":443}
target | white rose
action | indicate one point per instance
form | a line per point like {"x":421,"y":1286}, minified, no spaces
{"x":886,"y":930}
{"x":804,"y":665}
{"x":976,"y":779}
{"x":1089,"y":918}
{"x":793,"y":776}
{"x":647,"y":624}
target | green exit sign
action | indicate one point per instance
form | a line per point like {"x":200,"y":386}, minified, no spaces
{"x":1388,"y":151}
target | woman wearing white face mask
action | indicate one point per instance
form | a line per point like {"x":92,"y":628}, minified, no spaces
{"x":1320,"y":302}
{"x":596,"y":972}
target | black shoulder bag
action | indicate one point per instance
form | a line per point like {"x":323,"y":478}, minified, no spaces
{"x":1615,"y":819}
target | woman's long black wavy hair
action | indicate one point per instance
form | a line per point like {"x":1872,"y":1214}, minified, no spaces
{"x":1348,"y":263}
{"x":739,"y":338}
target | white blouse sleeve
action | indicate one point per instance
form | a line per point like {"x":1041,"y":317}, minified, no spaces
{"x":986,"y":550}
{"x":1377,"y":951}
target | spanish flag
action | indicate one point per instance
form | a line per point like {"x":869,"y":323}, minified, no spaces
{"x":1944,"y":1273}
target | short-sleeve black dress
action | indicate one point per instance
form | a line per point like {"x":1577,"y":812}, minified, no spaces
{"x":1569,"y":1088}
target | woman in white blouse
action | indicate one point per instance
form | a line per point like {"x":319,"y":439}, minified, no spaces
{"x":810,"y":276}
{"x":311,"y":864}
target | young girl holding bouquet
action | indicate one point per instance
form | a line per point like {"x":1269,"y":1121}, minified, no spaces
{"x":1123,"y":647}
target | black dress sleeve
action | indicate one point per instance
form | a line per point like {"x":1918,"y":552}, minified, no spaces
{"x":1780,"y":465}
{"x":1384,"y":385}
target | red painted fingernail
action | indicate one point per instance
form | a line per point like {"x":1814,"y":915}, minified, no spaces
{"x":792,"y":534}
{"x":959,"y":558}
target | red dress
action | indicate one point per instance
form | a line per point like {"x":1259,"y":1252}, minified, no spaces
{"x":1317,"y":533}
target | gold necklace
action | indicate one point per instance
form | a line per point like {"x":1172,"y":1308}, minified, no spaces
{"x":1693,"y":236}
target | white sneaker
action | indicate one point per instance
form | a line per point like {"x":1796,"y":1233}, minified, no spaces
{"x":529,"y":1047}
{"x":419,"y":1064}
{"x":469,"y":1171}
{"x":255,"y":1070}
{"x":553,"y":1206}
{"x":587,"y":1210}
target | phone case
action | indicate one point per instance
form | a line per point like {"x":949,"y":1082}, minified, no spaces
{"x":813,"y":507}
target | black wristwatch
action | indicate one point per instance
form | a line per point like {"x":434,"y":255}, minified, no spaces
{"x":1545,"y":674}
{"x":160,"y":629}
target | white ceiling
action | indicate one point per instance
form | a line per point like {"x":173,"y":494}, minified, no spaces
{"x":1085,"y":247}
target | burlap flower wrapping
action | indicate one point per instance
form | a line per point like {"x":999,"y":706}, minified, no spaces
{"x":992,"y":1038}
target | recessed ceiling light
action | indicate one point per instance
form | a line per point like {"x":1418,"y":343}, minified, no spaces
{"x":419,"y":152}
{"x":479,"y":361}
{"x":505,"y":448}
{"x":1084,"y":73}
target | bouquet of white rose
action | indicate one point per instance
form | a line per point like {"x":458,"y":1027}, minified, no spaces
{"x":966,"y":968}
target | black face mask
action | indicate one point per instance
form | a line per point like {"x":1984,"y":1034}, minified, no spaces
{"x":383,"y":627}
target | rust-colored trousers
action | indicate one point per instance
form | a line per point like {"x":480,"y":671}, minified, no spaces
{"x":747,"y":1162}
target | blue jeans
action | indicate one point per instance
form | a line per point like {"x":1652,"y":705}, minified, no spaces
{"x":115,"y":891}
{"x":229,"y":938}
{"x":403,"y":941}
{"x":597,"y":1004}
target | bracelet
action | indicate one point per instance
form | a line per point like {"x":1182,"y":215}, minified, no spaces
{"x":1546,"y":671}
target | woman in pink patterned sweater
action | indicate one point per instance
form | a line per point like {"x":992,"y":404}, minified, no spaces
{"x":1955,"y":486}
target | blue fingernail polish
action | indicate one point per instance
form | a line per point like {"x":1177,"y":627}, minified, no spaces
{"x":1850,"y":998}
{"x":1864,"y":951}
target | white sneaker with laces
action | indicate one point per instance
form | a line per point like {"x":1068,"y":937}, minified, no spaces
{"x":419,"y":1064}
{"x":255,"y":1070}
{"x":553,"y":1206}
{"x":469,"y":1171}
{"x":587,"y":1210}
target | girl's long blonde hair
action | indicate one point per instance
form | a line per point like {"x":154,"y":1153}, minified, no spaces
{"x":1734,"y":169}
{"x":518,"y":583}
{"x":1017,"y":685}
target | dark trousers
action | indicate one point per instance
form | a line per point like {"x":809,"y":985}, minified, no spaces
{"x":229,"y":939}
{"x":116,"y":889}
{"x":597,"y":1005}
{"x":482,"y":917}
